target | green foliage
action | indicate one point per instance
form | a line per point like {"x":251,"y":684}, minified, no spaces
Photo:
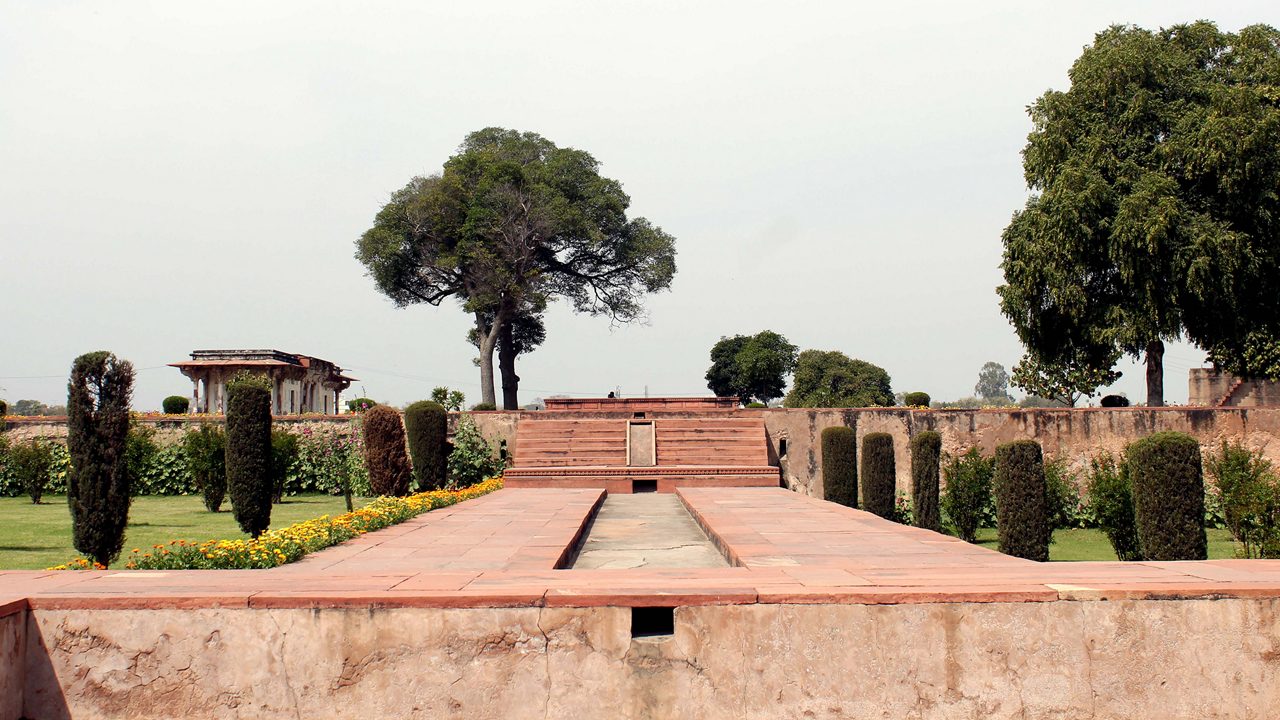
{"x":360,"y":404}
{"x":473,"y":459}
{"x":248,"y":454}
{"x":451,"y":235}
{"x":1066,"y":509}
{"x":1066,"y":380}
{"x":484,"y":406}
{"x":751,"y":366}
{"x":451,"y":400}
{"x":926,"y":452}
{"x":140,"y":448}
{"x":165,"y":472}
{"x":206,"y":452}
{"x":967,"y":502}
{"x":11,"y":484}
{"x":384,"y":452}
{"x":917,"y":399}
{"x":1111,"y":502}
{"x":284,"y":456}
{"x":329,"y":461}
{"x":427,"y":425}
{"x":833,"y":379}
{"x":1248,"y":492}
{"x":33,"y":463}
{"x":175,"y":405}
{"x":840,"y":466}
{"x":756,"y":405}
{"x":98,"y":491}
{"x":993,"y":383}
{"x":1153,"y":205}
{"x":878,"y":474}
{"x":1022,"y":507}
{"x":1168,"y":496}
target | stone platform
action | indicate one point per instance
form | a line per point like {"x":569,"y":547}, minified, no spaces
{"x":821,"y":611}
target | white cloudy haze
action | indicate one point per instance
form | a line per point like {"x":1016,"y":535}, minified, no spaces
{"x":178,"y":175}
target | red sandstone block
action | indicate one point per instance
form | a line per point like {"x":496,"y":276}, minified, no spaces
{"x":903,"y":595}
{"x":650,"y":597}
{"x":511,"y":597}
{"x":133,"y":601}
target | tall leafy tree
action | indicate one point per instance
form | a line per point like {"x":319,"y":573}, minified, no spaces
{"x":751,"y":366}
{"x":98,"y":491}
{"x":1155,"y":200}
{"x":993,"y":382}
{"x":829,"y":378}
{"x":511,"y":222}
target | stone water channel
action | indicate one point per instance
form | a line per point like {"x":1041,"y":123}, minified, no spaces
{"x":645,"y":530}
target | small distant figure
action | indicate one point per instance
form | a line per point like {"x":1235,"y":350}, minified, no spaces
{"x":611,"y":395}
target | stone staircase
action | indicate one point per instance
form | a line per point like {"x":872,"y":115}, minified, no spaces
{"x":610,"y":443}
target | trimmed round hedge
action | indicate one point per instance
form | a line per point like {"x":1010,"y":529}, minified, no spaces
{"x":1168,"y":496}
{"x":916,"y":399}
{"x":175,"y":405}
{"x":1022,"y":502}
{"x":840,"y":466}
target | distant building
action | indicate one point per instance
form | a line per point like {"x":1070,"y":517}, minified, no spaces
{"x":1207,"y":387}
{"x":299,"y":383}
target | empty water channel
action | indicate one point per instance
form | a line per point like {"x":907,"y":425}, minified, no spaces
{"x":645,"y":530}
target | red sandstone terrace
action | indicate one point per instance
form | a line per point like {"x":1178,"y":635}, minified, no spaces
{"x":822,"y":611}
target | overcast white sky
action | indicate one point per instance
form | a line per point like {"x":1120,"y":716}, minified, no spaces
{"x":177,"y":176}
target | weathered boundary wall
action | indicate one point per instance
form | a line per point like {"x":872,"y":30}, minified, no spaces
{"x":1064,"y":659}
{"x":1074,"y":433}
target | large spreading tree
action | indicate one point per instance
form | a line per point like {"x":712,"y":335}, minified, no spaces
{"x":831,"y":379}
{"x":512,"y":222}
{"x":1156,"y":204}
{"x":751,"y":366}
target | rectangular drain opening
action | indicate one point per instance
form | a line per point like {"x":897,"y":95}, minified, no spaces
{"x":652,"y":621}
{"x":643,"y":486}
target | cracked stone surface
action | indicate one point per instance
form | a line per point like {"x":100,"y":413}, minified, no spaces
{"x":646,"y":530}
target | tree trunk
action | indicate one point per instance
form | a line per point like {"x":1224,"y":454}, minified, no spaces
{"x":488,"y":340}
{"x":507,"y":366}
{"x":1155,"y":374}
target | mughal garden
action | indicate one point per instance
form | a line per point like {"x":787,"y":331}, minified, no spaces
{"x":803,"y":539}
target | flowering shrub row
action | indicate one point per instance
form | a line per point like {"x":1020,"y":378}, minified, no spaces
{"x":278,"y":547}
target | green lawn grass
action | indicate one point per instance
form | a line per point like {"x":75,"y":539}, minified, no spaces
{"x":1091,"y":544}
{"x":39,"y":536}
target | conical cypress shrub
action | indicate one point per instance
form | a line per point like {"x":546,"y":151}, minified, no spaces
{"x":879,"y":474}
{"x":1168,"y":496}
{"x":840,"y":466}
{"x":249,"y":451}
{"x":427,"y":425}
{"x":926,"y":449}
{"x":384,"y":452}
{"x":98,"y":491}
{"x":1022,"y":503}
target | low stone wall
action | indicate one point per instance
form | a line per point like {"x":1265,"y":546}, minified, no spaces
{"x":1121,"y":659}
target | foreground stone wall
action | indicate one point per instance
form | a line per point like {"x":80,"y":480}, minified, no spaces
{"x":1167,"y":659}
